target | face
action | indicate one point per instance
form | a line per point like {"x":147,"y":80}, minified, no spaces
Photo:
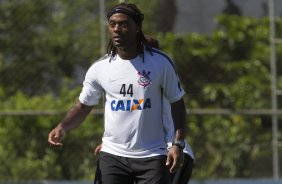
{"x":123,"y":31}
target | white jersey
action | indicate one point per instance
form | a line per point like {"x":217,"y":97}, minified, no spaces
{"x":169,"y":129}
{"x":133,"y":121}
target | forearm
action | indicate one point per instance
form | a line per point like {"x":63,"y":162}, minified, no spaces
{"x":178,"y":111}
{"x":75,"y":116}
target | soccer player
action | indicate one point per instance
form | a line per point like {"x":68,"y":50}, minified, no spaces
{"x":182,"y":175}
{"x":134,"y":78}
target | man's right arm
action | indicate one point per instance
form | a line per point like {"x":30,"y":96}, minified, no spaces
{"x":75,"y":116}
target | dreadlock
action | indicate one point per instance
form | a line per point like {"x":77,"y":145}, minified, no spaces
{"x":132,"y":11}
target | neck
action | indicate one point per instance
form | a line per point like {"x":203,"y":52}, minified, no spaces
{"x":127,"y":53}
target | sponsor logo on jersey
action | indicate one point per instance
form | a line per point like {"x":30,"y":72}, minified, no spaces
{"x":144,"y":79}
{"x":130,"y":105}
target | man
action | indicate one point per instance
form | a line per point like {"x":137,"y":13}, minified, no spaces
{"x":182,"y":175}
{"x":134,"y":78}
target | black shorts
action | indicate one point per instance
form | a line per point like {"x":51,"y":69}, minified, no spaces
{"x":182,"y":176}
{"x":113,"y":169}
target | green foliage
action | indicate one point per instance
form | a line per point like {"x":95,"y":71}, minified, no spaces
{"x":222,"y":69}
{"x":43,"y":41}
{"x":24,"y":151}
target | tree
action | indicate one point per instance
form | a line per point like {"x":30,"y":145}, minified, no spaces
{"x":42,"y":42}
{"x":24,"y":151}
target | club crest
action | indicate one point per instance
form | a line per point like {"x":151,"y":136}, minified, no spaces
{"x":144,"y":79}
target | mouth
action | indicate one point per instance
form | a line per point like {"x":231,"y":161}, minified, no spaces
{"x":117,"y":40}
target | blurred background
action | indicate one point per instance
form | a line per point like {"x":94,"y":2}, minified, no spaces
{"x":228,"y":54}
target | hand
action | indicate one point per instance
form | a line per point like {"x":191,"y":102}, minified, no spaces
{"x":174,"y":158}
{"x":56,"y":136}
{"x":97,"y":149}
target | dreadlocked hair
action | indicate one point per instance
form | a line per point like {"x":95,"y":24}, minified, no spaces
{"x":135,"y":13}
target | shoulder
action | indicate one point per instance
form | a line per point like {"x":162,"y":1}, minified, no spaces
{"x":98,"y":65}
{"x":159,"y":57}
{"x":100,"y":62}
{"x":158,"y":53}
{"x":106,"y":57}
{"x":103,"y":59}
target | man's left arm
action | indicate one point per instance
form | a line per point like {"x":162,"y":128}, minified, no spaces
{"x":175,"y":154}
{"x":178,"y":111}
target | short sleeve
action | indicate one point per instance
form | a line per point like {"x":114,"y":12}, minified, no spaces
{"x":91,"y":91}
{"x":172,"y":87}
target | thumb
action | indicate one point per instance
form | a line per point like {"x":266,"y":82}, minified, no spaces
{"x":168,"y":159}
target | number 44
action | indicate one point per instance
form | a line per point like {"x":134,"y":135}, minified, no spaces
{"x":126,"y":91}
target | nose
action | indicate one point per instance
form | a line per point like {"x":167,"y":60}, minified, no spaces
{"x":117,"y":28}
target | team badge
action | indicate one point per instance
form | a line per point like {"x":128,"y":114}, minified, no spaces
{"x":144,"y":79}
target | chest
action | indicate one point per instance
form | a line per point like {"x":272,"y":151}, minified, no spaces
{"x":130,"y":79}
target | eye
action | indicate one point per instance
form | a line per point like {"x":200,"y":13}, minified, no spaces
{"x":112,"y":24}
{"x":124,"y":24}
